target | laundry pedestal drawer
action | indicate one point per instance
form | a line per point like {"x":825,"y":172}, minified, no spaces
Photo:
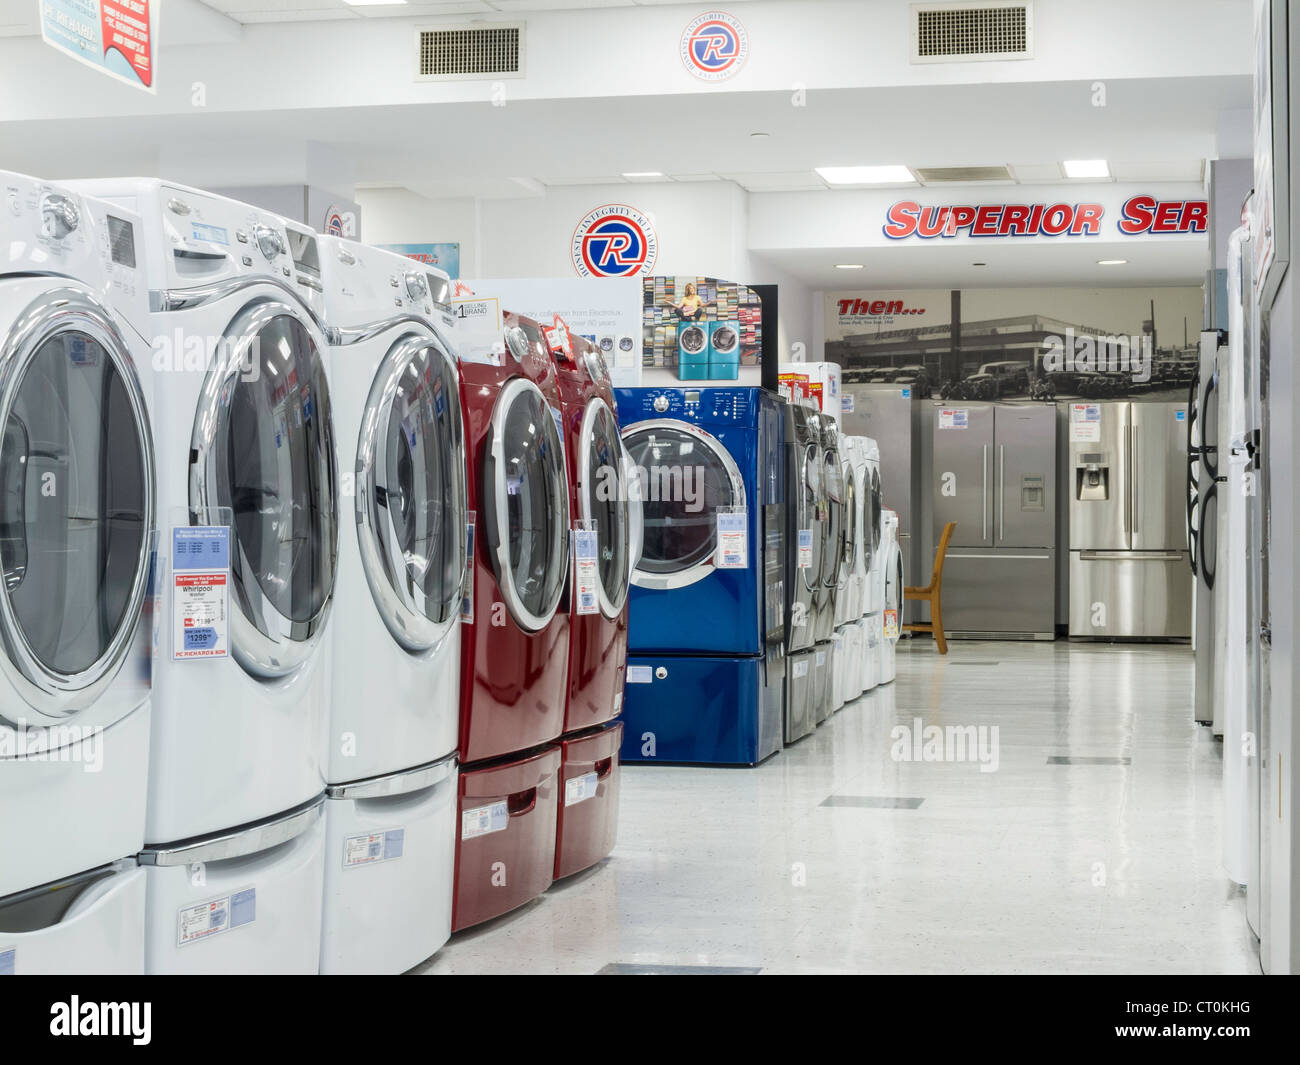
{"x":588,"y":799}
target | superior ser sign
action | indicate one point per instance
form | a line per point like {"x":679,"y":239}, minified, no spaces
{"x":1139,"y":215}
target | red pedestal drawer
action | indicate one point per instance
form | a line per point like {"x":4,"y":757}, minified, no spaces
{"x":588,"y":799}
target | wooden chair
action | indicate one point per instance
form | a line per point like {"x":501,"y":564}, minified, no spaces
{"x":931,"y":593}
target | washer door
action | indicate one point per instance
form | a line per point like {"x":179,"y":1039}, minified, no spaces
{"x":687,"y":474}
{"x":76,"y":506}
{"x":848,"y":555}
{"x":812,"y":501}
{"x":263,"y":445}
{"x":876,"y":515}
{"x":833,"y":552}
{"x":603,"y":498}
{"x":526,"y":503}
{"x":410,"y":492}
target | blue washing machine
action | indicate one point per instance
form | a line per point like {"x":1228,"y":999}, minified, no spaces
{"x":706,"y":624}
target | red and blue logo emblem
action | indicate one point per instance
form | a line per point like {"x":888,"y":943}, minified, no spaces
{"x":714,"y":46}
{"x":614,"y":240}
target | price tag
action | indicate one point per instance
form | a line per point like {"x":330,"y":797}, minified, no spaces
{"x":585,"y":547}
{"x":200,"y":592}
{"x":954,"y":419}
{"x":805,"y":548}
{"x":891,"y":624}
{"x":733,"y":542}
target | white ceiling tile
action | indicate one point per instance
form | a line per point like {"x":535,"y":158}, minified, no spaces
{"x":1037,"y":173}
{"x":615,"y":180}
{"x":1187,"y":170}
{"x":695,"y":177}
{"x":776,"y":182}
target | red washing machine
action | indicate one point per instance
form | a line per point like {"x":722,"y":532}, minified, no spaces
{"x":515,"y":642}
{"x":600,"y":476}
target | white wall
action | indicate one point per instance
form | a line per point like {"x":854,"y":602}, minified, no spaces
{"x":399,"y":216}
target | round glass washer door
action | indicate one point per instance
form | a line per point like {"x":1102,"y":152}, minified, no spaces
{"x":410,"y":492}
{"x":686,"y":475}
{"x":877,"y":507}
{"x":850,"y":551}
{"x":76,"y":505}
{"x":526,"y":503}
{"x":813,"y":501}
{"x":834,"y":547}
{"x":263,"y":447}
{"x":604,"y":499}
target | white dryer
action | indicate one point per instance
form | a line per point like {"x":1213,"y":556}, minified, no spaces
{"x":390,"y":756}
{"x":891,"y":614}
{"x":77,"y":520}
{"x":248,"y":502}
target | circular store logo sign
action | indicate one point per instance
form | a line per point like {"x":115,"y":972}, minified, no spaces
{"x":714,"y":46}
{"x":614,"y":240}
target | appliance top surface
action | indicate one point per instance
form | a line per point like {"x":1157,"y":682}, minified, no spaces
{"x":365,"y":285}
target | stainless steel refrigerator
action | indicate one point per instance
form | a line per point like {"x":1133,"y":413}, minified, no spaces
{"x":891,"y":415}
{"x":994,"y":474}
{"x":1130,"y":577}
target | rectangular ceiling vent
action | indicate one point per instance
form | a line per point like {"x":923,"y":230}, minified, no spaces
{"x":482,"y":51}
{"x":967,"y":32}
{"x":948,"y":175}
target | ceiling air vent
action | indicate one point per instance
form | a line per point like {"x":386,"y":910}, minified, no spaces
{"x":945,"y":175}
{"x":991,"y":29}
{"x":483,"y":50}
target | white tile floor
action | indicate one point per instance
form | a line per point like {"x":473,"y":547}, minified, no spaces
{"x":1036,"y":867}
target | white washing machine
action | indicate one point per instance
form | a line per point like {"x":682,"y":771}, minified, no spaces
{"x":891,"y":614}
{"x":402,"y":552}
{"x":248,"y":510}
{"x":865,"y":674}
{"x":77,"y":523}
{"x":827,"y":375}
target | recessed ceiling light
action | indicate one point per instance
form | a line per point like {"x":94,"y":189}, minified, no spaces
{"x":634,"y":174}
{"x":374,"y":3}
{"x":759,"y":136}
{"x":865,"y":175}
{"x":1111,"y":262}
{"x":848,"y":266}
{"x":1086,"y":168}
{"x":979,"y":264}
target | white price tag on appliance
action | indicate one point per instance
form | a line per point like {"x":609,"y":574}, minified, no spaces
{"x":580,"y":789}
{"x":584,"y":568}
{"x":953,"y":419}
{"x":215,"y":916}
{"x":801,"y":669}
{"x":821,"y":659}
{"x":373,"y":847}
{"x":200,"y":592}
{"x":805,"y":548}
{"x":846,"y":403}
{"x":1085,"y":423}
{"x":733,"y":540}
{"x":8,"y":961}
{"x":640,"y":675}
{"x":484,"y":820}
{"x":891,"y":624}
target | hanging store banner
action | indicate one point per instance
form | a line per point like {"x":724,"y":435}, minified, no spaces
{"x":117,"y":37}
{"x":1138,"y":215}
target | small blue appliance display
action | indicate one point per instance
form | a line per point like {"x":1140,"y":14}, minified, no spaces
{"x":705,"y":671}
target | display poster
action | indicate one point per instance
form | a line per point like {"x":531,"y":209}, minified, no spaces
{"x":200,"y":592}
{"x":700,"y":330}
{"x":605,"y":311}
{"x":1027,"y":342}
{"x":446,"y":257}
{"x":117,"y":37}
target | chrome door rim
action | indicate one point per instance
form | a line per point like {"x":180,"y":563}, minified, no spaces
{"x":830,"y":458}
{"x":849,"y":525}
{"x":701,"y":569}
{"x":501,"y":550}
{"x":286,"y":643}
{"x":806,"y":464}
{"x":403,"y":612}
{"x":52,"y":696}
{"x":608,"y":607}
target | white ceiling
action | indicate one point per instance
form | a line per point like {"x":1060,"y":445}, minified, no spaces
{"x":249,"y":11}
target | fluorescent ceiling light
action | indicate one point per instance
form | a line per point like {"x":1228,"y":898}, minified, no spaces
{"x":848,"y":266}
{"x":1111,"y":262}
{"x":374,"y":3}
{"x":865,"y":175}
{"x":643,"y":174}
{"x":1086,"y":168}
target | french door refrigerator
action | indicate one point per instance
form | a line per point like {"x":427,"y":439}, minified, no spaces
{"x":995,"y":476}
{"x":1129,"y":572}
